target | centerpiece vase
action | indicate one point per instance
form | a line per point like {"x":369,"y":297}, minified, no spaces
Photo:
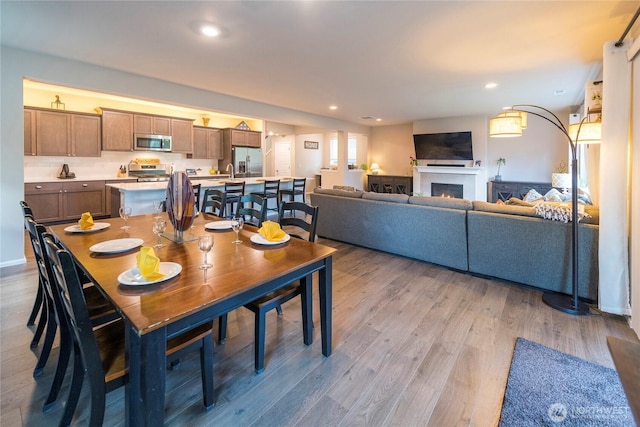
{"x":180,"y":206}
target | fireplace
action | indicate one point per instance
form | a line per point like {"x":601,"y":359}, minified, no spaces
{"x":447,"y":190}
{"x":470,"y":179}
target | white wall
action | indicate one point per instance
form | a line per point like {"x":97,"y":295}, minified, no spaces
{"x":16,"y":64}
{"x":308,"y":161}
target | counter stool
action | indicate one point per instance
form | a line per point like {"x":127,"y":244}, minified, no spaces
{"x":233,"y":192}
{"x":271,"y":190}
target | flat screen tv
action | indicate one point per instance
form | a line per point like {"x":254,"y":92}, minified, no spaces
{"x":443,"y":146}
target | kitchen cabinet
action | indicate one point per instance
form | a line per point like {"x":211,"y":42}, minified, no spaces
{"x":117,"y":130}
{"x":151,"y":125}
{"x":29,"y":132}
{"x":59,"y":133}
{"x":59,"y":201}
{"x":181,"y":136}
{"x":247,"y":138}
{"x":207,"y":143}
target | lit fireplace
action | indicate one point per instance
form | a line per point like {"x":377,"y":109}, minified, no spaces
{"x":447,"y":190}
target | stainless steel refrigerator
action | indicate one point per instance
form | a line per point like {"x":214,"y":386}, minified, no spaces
{"x":247,"y":161}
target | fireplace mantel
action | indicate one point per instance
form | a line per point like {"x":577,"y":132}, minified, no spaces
{"x":469,"y":177}
{"x":449,"y":169}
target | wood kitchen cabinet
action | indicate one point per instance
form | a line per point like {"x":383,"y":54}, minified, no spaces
{"x":117,"y":130}
{"x":29,"y":132}
{"x":207,"y":143}
{"x":151,"y":125}
{"x":247,"y":138}
{"x":181,"y":136}
{"x":60,"y":201}
{"x":59,"y":133}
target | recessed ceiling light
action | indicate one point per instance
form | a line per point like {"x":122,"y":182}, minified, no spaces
{"x":333,"y":107}
{"x":209,"y":30}
{"x":491,"y":85}
{"x":378,"y":119}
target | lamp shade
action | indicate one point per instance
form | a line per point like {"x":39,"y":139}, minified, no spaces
{"x":514,"y":113}
{"x":561,"y":180}
{"x":590,"y":132}
{"x":375,"y":168}
{"x":503,"y":126}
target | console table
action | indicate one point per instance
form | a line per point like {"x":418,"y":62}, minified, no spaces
{"x":390,"y":184}
{"x":504,"y":190}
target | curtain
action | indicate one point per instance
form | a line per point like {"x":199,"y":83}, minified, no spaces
{"x":613,"y":291}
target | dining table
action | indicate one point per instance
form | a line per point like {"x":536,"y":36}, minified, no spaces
{"x":186,"y":296}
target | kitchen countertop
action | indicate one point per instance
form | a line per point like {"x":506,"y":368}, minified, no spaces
{"x":111,"y":178}
{"x":207,"y":183}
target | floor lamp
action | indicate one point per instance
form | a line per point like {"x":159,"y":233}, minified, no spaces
{"x":509,"y":124}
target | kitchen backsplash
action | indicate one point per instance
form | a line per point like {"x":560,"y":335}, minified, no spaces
{"x":106,"y":166}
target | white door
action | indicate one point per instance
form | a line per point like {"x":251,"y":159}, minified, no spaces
{"x":282,"y":158}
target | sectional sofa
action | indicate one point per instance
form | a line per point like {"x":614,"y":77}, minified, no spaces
{"x":505,"y":242}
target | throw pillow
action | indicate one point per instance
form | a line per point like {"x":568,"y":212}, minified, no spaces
{"x":532,"y":196}
{"x":553,"y":195}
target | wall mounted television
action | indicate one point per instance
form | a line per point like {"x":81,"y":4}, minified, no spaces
{"x":443,"y":146}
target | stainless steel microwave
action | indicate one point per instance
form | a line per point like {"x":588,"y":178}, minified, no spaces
{"x":144,"y":142}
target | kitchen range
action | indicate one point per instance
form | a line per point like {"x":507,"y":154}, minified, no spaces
{"x":149,"y":172}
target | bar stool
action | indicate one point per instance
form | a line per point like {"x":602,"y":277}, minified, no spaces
{"x":271,"y":190}
{"x":233,"y":192}
{"x":297,"y":189}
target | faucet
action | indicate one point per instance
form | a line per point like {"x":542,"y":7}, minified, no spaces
{"x":233,"y":176}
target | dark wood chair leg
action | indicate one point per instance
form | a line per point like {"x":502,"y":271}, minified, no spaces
{"x":206,"y":370}
{"x":222,"y":329}
{"x":279,"y":309}
{"x":66,"y":344}
{"x":52,"y":326}
{"x":260,"y":331}
{"x":37,"y":305}
{"x":76,"y":387}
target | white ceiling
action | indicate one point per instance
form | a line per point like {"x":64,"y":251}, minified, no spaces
{"x":400,"y":61}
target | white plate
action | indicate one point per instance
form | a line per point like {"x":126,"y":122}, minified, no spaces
{"x":259,"y":240}
{"x":132,"y":276}
{"x":116,"y":245}
{"x":218,"y":225}
{"x":96,"y":226}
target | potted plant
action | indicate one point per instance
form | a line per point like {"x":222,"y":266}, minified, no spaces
{"x":501,"y":161}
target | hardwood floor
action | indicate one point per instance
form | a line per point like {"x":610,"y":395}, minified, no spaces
{"x":414,"y":344}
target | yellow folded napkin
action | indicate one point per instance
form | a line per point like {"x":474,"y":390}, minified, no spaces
{"x":86,"y":221}
{"x":148,"y":264}
{"x":271,"y":231}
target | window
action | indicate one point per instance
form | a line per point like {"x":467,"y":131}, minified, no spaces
{"x":352,"y":151}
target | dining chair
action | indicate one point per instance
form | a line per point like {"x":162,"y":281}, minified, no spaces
{"x":300,"y":225}
{"x":99,"y":353}
{"x":233,"y":191}
{"x":196,"y":196}
{"x":38,"y":304}
{"x":253,"y":209}
{"x":214,"y":202}
{"x":297,"y":189}
{"x":270,"y":190}
{"x":100,"y":309}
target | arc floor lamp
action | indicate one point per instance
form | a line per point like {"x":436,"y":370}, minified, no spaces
{"x":510,"y":123}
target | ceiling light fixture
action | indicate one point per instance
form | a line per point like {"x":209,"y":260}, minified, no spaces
{"x":333,"y":107}
{"x":209,"y":30}
{"x":491,"y":85}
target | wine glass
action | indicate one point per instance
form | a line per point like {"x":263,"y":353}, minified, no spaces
{"x":159,"y":227}
{"x":236,"y":225}
{"x":157,"y":205}
{"x":125,"y":212}
{"x":205,"y":243}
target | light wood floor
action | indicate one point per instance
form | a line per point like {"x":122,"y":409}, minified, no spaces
{"x":413,"y":345}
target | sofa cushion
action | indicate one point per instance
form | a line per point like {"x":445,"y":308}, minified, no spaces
{"x":356,"y":194}
{"x":441,"y":202}
{"x":385,"y":197}
{"x":504,"y":209}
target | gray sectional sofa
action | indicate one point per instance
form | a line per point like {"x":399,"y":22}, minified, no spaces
{"x":506,"y":242}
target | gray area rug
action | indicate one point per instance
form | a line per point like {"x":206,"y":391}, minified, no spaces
{"x":549,"y":388}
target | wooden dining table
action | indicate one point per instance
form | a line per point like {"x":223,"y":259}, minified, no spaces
{"x":153,"y":313}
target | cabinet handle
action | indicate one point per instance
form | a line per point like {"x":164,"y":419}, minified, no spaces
{"x":85,"y":185}
{"x":38,"y":187}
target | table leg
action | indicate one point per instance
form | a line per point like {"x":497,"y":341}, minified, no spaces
{"x":325,"y":292}
{"x":144,"y":393}
{"x":307,"y":314}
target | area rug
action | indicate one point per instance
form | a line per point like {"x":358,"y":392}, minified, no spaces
{"x":549,"y":388}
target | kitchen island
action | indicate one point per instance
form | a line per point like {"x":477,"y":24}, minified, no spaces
{"x":141,"y":196}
